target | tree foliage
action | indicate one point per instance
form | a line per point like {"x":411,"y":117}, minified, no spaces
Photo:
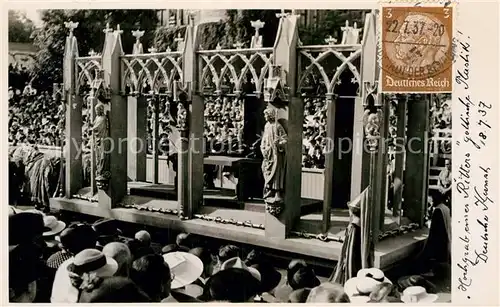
{"x":20,"y":27}
{"x":331,"y":24}
{"x":50,"y":38}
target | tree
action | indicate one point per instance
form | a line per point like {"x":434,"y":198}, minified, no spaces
{"x":50,"y":38}
{"x":20,"y":27}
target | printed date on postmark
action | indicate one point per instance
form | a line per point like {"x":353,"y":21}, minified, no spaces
{"x":417,"y":49}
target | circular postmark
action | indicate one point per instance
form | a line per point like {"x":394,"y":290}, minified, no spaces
{"x":416,"y":43}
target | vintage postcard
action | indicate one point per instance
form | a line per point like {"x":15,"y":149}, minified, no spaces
{"x":232,"y":152}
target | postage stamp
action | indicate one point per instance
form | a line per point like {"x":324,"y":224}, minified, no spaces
{"x":417,"y":49}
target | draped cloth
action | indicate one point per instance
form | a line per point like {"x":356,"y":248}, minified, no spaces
{"x":354,"y":247}
{"x":40,"y":173}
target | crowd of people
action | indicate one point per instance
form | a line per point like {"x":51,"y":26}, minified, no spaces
{"x":314,"y":139}
{"x":223,"y":127}
{"x":51,"y":261}
{"x":34,"y":117}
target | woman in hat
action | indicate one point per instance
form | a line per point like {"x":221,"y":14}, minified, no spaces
{"x":87,"y":270}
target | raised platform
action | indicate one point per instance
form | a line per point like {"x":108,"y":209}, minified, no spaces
{"x":388,"y":252}
{"x":224,"y":198}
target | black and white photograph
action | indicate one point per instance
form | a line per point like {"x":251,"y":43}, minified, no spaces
{"x":224,"y":155}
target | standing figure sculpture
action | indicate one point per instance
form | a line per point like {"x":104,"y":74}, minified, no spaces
{"x":273,"y":146}
{"x":100,"y":131}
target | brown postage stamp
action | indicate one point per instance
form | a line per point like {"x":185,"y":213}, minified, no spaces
{"x":417,"y":49}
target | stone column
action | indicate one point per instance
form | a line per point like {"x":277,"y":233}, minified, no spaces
{"x":285,"y":56}
{"x":73,"y":152}
{"x":116,"y":188}
{"x":417,"y":159}
{"x":137,"y":143}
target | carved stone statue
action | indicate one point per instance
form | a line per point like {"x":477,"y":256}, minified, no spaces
{"x":372,"y":128}
{"x":100,"y":130}
{"x":273,"y":146}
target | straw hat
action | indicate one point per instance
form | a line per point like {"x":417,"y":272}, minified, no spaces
{"x":185,"y":267}
{"x":52,"y":225}
{"x":93,"y":261}
{"x":360,"y":287}
{"x":417,"y":294}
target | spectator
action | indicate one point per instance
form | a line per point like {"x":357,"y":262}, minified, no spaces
{"x":328,"y":293}
{"x":86,"y":271}
{"x":24,"y":271}
{"x":77,"y":238}
{"x":153,"y":276}
{"x":121,"y":254}
{"x":113,"y":290}
{"x":299,"y":276}
{"x":444,"y":182}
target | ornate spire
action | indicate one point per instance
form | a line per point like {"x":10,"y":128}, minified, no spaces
{"x":138,"y":46}
{"x":118,"y":30}
{"x":71,"y":26}
{"x":107,"y":29}
{"x":138,"y":34}
{"x":283,"y":14}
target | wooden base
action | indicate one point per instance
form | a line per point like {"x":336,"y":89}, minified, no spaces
{"x":388,"y":252}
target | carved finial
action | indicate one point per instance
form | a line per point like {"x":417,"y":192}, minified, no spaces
{"x":118,"y":29}
{"x":238,"y":45}
{"x":71,"y":26}
{"x":168,"y":49}
{"x":330,"y":40}
{"x":107,"y":29}
{"x":153,"y":50}
{"x":218,"y":47}
{"x":191,"y":14}
{"x":179,"y":41}
{"x":257,"y":38}
{"x":92,"y":52}
{"x":283,"y":14}
{"x":346,"y":26}
{"x":138,"y":34}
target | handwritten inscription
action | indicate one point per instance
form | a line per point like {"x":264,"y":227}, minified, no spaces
{"x":472,"y":178}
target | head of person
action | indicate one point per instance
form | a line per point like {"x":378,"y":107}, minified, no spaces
{"x":153,"y":275}
{"x":183,"y":239}
{"x":25,"y":227}
{"x":205,"y":257}
{"x":121,"y":254}
{"x":328,"y":293}
{"x":24,"y":271}
{"x":227,"y":252}
{"x":302,"y":277}
{"x":78,"y":237}
{"x":232,"y":285}
{"x":116,"y":289}
{"x":447,"y":164}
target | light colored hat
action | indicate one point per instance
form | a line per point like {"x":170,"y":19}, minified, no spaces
{"x":237,"y":263}
{"x":417,"y":294}
{"x":360,"y":287}
{"x":185,"y":268}
{"x":52,"y":225}
{"x":93,"y":261}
